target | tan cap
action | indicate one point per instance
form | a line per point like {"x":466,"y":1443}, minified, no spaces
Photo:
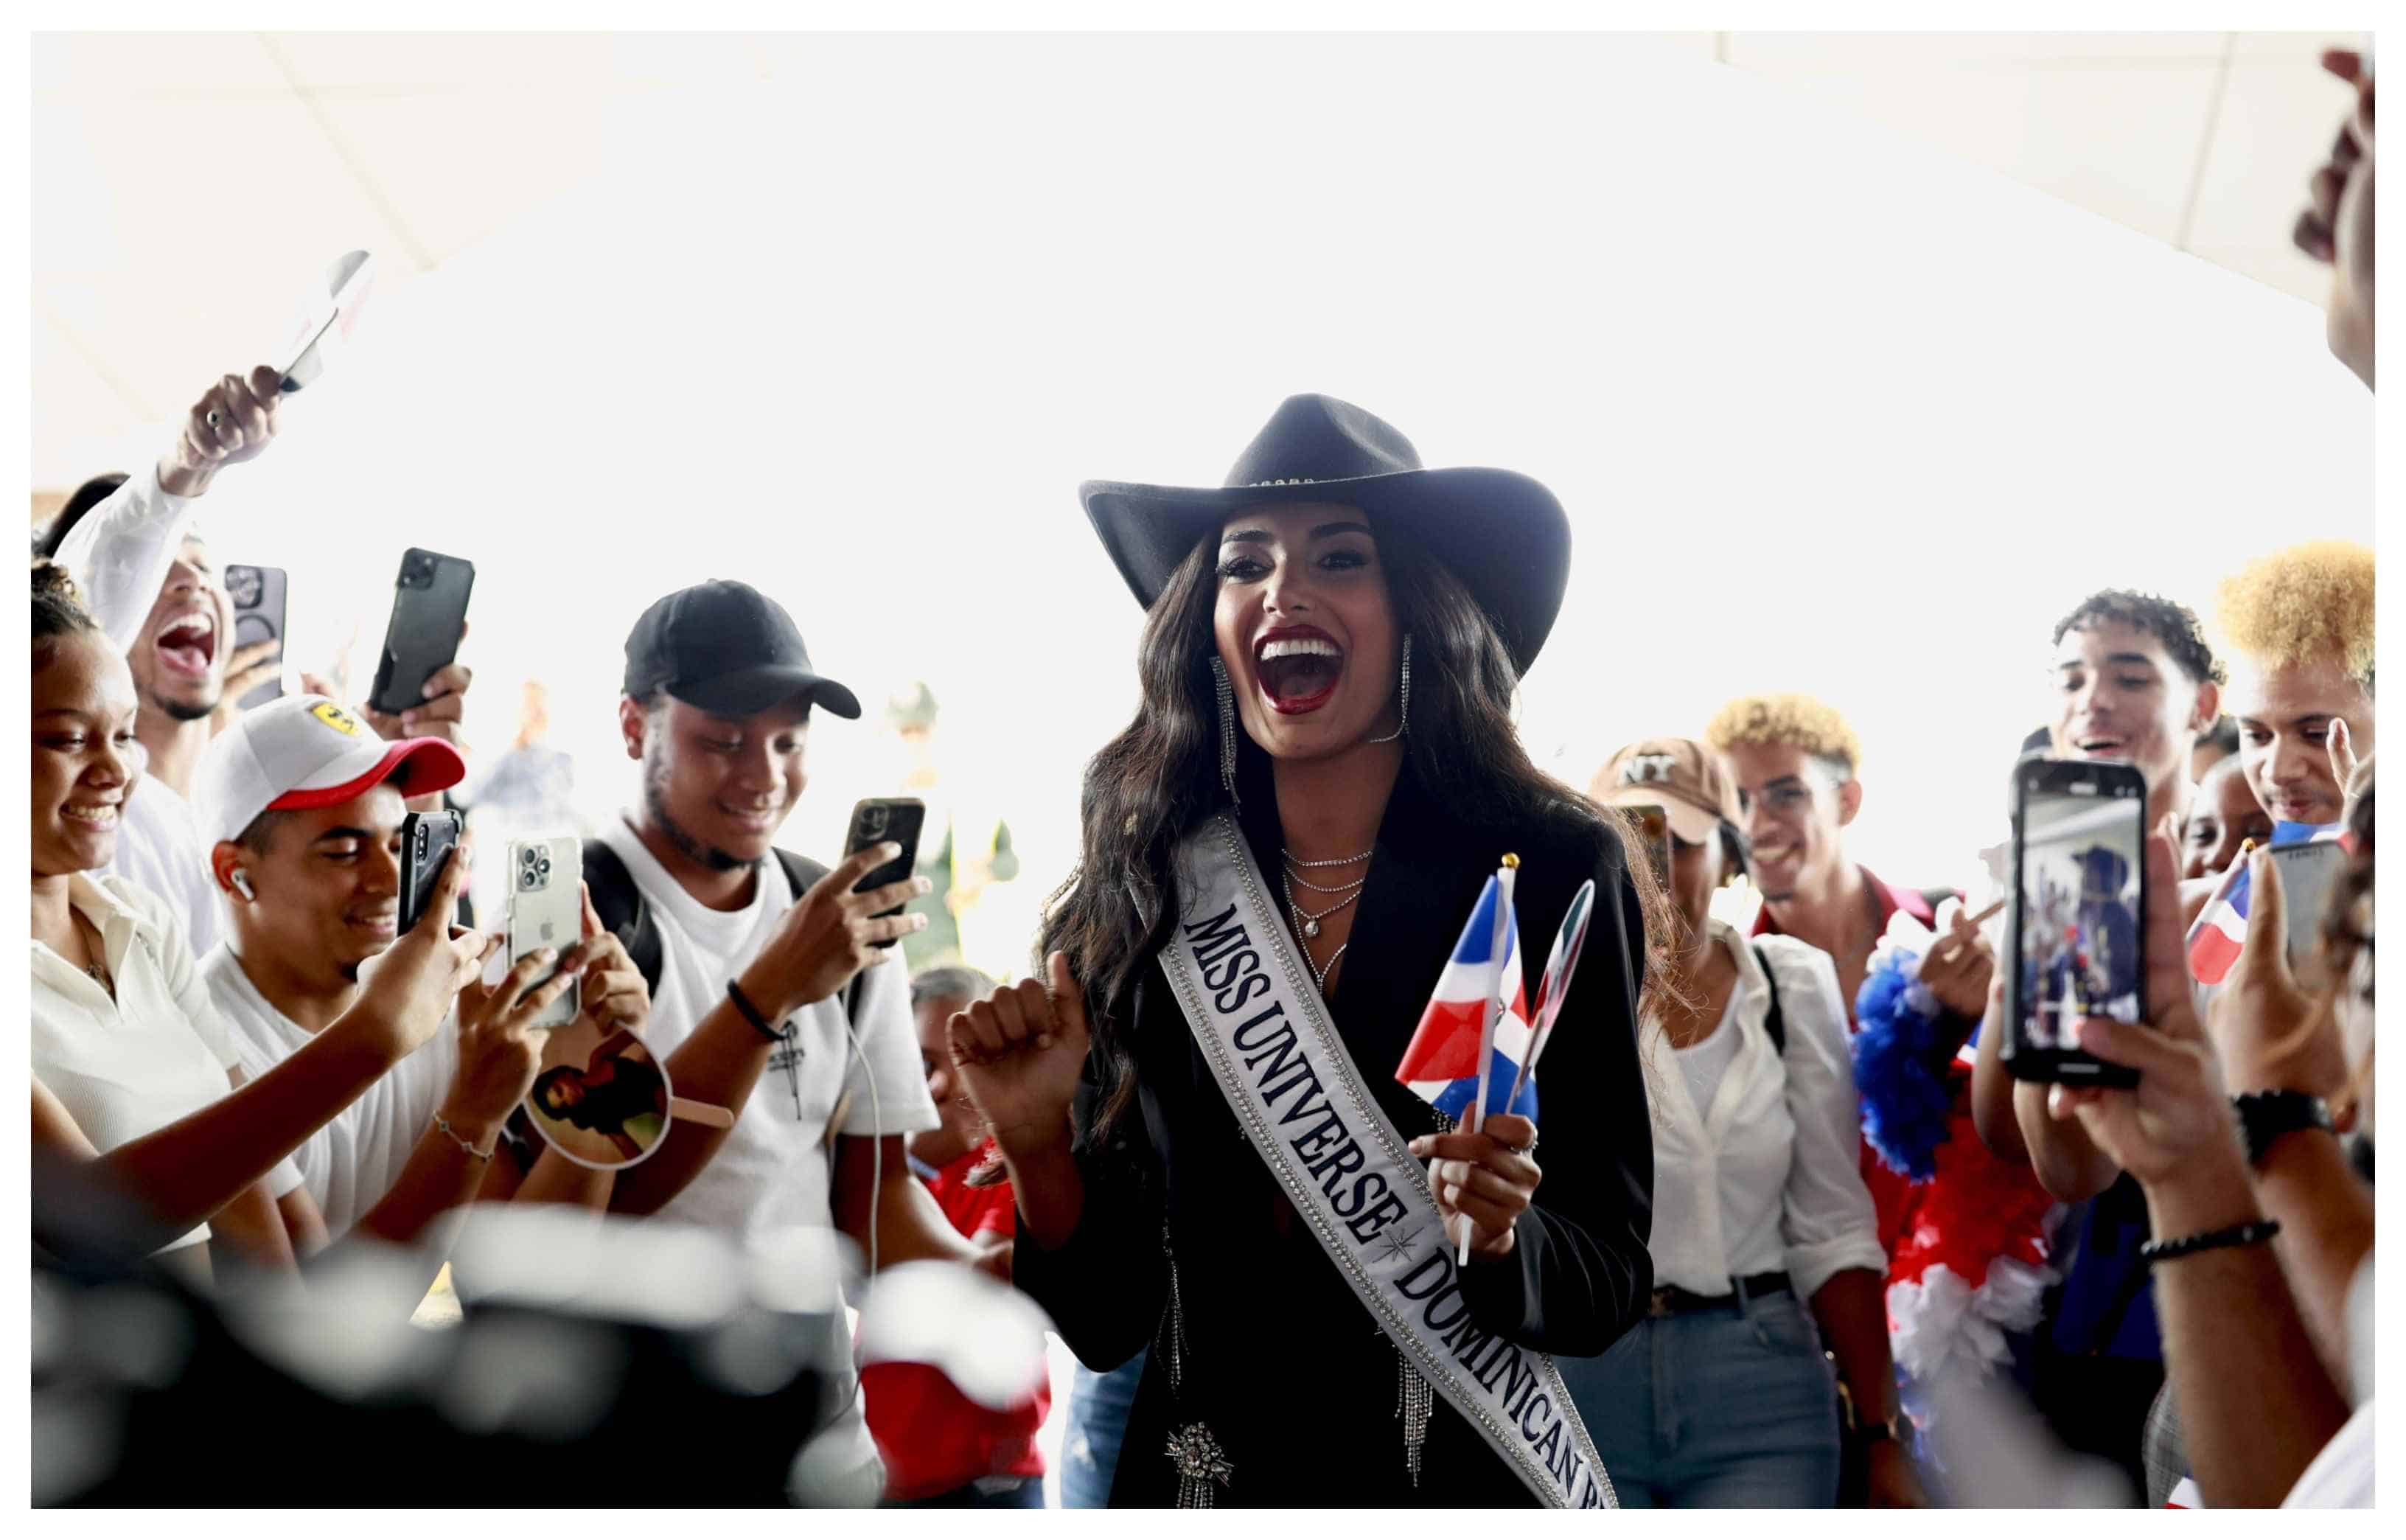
{"x":1682,"y":776}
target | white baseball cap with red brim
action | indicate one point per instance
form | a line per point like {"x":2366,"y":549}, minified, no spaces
{"x":306,"y":751}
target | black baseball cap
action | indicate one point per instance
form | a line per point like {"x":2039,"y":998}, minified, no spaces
{"x":728,"y":648}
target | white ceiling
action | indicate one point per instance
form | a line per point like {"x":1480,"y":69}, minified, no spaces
{"x":184,"y":186}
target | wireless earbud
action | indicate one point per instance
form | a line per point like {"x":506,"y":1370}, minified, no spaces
{"x":242,"y":885}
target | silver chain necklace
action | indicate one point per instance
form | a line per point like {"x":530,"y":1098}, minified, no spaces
{"x":1304,"y":921}
{"x":1308,"y":866}
{"x":1303,"y":882}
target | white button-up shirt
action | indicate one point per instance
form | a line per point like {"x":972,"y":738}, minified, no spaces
{"x":157,"y":1053}
{"x":120,"y":554}
{"x":1764,"y":1178}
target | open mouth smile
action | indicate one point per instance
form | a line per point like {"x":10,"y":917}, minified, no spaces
{"x":98,"y":817}
{"x":189,"y":647}
{"x":1298,"y":668}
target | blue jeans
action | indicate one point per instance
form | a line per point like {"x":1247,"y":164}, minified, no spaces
{"x":1024,"y":1491}
{"x":1726,"y":1408}
{"x":1090,"y":1441}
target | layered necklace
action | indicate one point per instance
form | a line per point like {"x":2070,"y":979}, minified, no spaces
{"x":1307,"y":923}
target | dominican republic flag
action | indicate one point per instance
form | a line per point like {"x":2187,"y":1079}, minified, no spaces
{"x":1441,"y":1066}
{"x":2221,"y":927}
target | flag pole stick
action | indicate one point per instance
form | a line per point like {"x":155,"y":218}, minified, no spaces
{"x":1498,"y":949}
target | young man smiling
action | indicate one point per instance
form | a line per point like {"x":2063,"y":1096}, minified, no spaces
{"x":150,"y":582}
{"x":2135,"y":684}
{"x":753,"y":966}
{"x":304,"y":809}
{"x":2300,"y":625}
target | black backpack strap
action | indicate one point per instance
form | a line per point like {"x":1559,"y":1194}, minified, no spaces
{"x":619,"y":904}
{"x":801,"y":870}
{"x":1775,"y":1021}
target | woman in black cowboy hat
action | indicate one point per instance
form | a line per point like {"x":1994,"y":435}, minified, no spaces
{"x":1328,"y":662}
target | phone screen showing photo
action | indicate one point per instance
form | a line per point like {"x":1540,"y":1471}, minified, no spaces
{"x":2082,"y":859}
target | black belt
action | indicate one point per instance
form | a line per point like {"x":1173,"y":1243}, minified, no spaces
{"x":1679,"y":1302}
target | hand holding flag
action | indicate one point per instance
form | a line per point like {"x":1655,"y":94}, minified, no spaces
{"x":1477,"y":1020}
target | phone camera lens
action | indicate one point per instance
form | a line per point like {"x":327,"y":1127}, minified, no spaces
{"x":873,"y":820}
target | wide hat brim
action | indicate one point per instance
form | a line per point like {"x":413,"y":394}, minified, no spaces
{"x":1502,"y":533}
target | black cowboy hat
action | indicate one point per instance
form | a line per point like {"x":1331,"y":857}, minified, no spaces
{"x":1499,"y":531}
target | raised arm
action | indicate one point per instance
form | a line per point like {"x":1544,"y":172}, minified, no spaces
{"x":185,"y":1172}
{"x":121,"y":551}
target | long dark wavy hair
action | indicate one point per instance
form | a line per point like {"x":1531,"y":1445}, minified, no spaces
{"x":1161,"y":776}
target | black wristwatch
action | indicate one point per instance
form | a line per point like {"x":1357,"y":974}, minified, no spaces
{"x":1883,"y":1431}
{"x":2264,"y":1116}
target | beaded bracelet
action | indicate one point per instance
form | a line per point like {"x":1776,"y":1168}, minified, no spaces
{"x":2254,"y":1233}
{"x":451,"y":1134}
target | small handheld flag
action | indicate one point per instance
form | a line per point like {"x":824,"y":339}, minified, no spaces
{"x":1477,"y":1020}
{"x":1442,"y":1064}
{"x":2215,"y":940}
{"x":1560,"y":965}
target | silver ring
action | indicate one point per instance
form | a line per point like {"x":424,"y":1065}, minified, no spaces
{"x":1528,"y":1149}
{"x":215,"y":418}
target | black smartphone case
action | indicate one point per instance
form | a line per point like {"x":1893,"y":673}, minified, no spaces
{"x":258,"y":595}
{"x":422,"y":867}
{"x":424,"y":634}
{"x":909,"y":821}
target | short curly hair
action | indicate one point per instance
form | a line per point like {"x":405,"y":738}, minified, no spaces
{"x":1800,"y":719}
{"x":2308,"y":603}
{"x":2172,"y":623}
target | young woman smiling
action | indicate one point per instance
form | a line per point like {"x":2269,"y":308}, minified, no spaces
{"x":1356,"y":626}
{"x":132,"y":1066}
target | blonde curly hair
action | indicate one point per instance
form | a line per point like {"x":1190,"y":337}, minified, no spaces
{"x":2308,"y":603}
{"x":1800,"y":719}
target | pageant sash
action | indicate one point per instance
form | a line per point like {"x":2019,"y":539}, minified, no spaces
{"x":1344,"y":1166}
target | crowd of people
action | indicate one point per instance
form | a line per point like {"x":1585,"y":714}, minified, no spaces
{"x":1808,"y":1202}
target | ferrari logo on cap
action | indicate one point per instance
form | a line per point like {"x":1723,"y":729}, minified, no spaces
{"x":336,"y":717}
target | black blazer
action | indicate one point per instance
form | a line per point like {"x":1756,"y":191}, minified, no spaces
{"x":1289,"y":1371}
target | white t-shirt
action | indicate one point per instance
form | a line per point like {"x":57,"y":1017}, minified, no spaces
{"x":158,"y":850}
{"x":157,"y":1051}
{"x":772,"y":1169}
{"x":350,"y":1164}
{"x":771,"y":1173}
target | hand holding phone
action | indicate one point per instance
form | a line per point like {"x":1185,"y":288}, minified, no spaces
{"x":430,"y":608}
{"x":2080,"y":859}
{"x":827,"y":936}
{"x":546,"y":910}
{"x":428,"y":840}
{"x":2270,"y":1022}
{"x":876,"y":820}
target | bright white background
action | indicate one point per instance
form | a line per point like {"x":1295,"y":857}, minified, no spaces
{"x":1829,"y":411}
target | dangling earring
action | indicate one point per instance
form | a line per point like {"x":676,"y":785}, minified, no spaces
{"x":1227,"y":697}
{"x":1403,"y":697}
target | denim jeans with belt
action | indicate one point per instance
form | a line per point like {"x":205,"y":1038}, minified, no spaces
{"x":1727,"y":1408}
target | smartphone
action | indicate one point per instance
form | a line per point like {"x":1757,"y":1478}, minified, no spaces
{"x":258,"y":595}
{"x":2079,"y":900}
{"x":427,"y":841}
{"x":429,"y":604}
{"x":546,"y":909}
{"x":1654,"y":828}
{"x":2307,"y":874}
{"x":877,"y":819}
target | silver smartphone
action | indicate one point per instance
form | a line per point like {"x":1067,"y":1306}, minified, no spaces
{"x":547,"y":907}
